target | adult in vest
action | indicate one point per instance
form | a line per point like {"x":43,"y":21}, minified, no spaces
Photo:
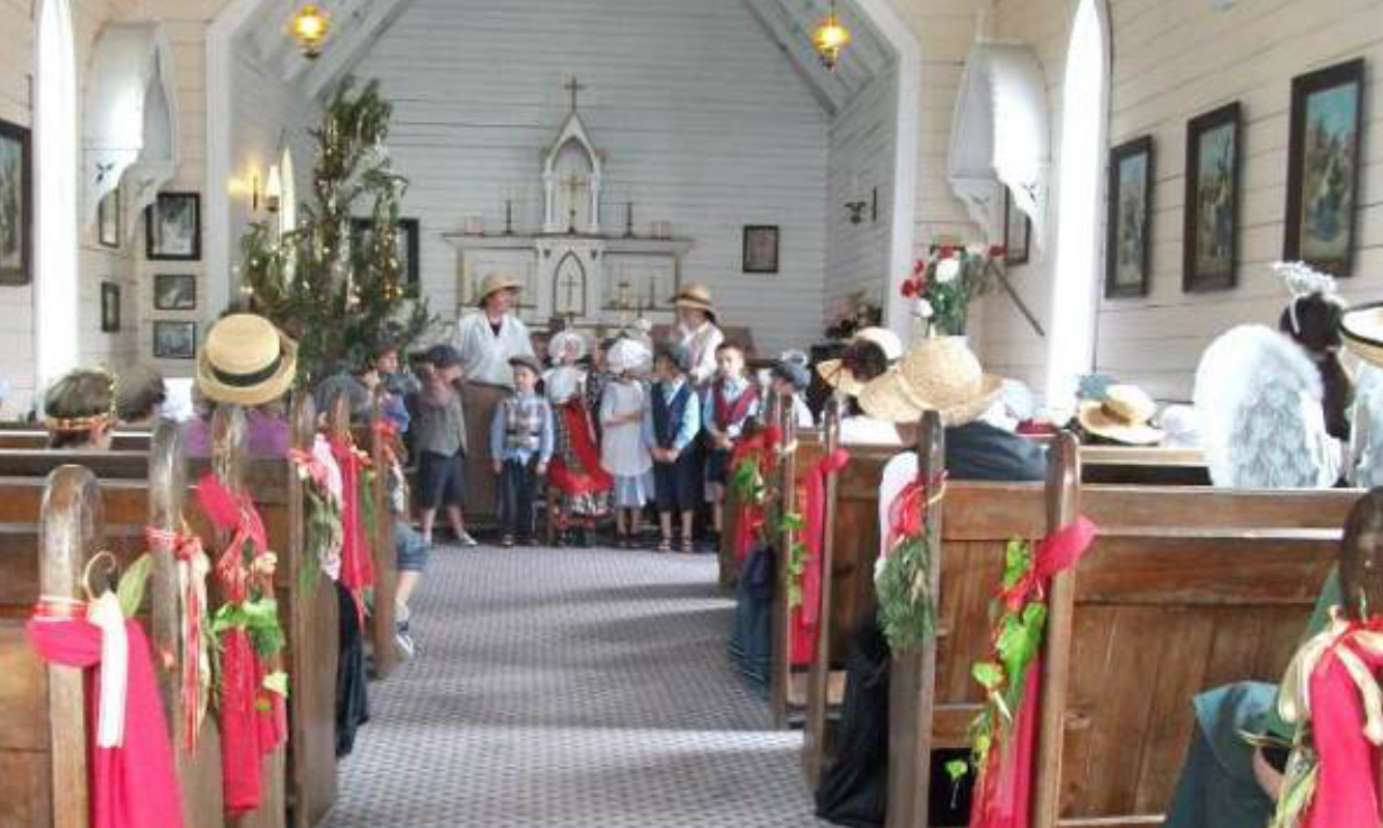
{"x":486,"y":341}
{"x":697,"y":331}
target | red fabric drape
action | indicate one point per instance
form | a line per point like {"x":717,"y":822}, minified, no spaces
{"x":761,"y":449}
{"x":133,"y":785}
{"x":254,"y":721}
{"x":1003,"y":796}
{"x":1347,"y":794}
{"x":357,"y":565}
{"x":591,"y":477}
{"x":806,"y":618}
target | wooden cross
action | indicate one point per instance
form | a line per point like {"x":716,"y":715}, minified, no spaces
{"x":571,"y":283}
{"x":574,"y":87}
{"x":573,"y":183}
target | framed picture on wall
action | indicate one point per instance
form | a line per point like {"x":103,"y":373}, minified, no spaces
{"x":173,"y":228}
{"x":1127,"y":243}
{"x":175,"y":340}
{"x":1017,"y":232}
{"x":761,"y":248}
{"x":110,"y":307}
{"x":175,"y":291}
{"x":407,"y":241}
{"x":1210,"y":247}
{"x":108,"y":220}
{"x":16,"y":205}
{"x":1323,"y":167}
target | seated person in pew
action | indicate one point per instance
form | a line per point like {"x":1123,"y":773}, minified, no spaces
{"x":79,"y":410}
{"x":1233,"y":774}
{"x":245,"y":360}
{"x":789,"y":377}
{"x":869,"y":355}
{"x":1258,"y":402}
{"x":935,"y":374}
{"x":140,"y":396}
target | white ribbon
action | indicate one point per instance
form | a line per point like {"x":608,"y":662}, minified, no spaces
{"x":105,"y":614}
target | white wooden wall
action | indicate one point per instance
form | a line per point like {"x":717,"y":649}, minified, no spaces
{"x":1175,"y":59}
{"x":185,"y":20}
{"x":705,"y":126}
{"x":863,"y":138}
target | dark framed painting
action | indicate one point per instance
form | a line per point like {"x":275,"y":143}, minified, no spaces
{"x":1127,"y":232}
{"x":110,"y":307}
{"x":1323,"y":159}
{"x":761,"y":248}
{"x":108,"y":220}
{"x":175,"y":291}
{"x":363,"y":231}
{"x":1210,"y":247}
{"x":16,"y":205}
{"x":175,"y":340}
{"x":173,"y":228}
{"x":1017,"y":232}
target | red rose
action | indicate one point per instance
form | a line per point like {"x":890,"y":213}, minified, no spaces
{"x":919,"y":267}
{"x":946,"y":252}
{"x":996,"y":251}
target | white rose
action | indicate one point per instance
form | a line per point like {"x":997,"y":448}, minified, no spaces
{"x":976,"y":249}
{"x":924,"y":308}
{"x":947,"y":270}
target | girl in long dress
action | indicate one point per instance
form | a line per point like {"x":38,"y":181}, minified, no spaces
{"x":575,"y":472}
{"x":624,"y":454}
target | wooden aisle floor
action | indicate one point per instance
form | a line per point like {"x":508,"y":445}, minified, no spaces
{"x":557,"y":687}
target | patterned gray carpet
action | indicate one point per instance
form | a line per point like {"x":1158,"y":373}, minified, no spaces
{"x":570,"y":688}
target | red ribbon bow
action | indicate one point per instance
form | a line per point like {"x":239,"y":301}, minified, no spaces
{"x":236,"y":513}
{"x":907,"y":514}
{"x":806,"y":619}
{"x":357,"y":567}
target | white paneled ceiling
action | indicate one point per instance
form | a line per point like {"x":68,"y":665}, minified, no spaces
{"x":357,"y":24}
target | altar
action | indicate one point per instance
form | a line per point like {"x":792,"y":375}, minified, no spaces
{"x":574,"y":272}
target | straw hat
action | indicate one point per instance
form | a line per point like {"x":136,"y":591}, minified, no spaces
{"x":494,"y":283}
{"x":834,"y":373}
{"x":696,"y":297}
{"x":1362,"y":330}
{"x":940,"y":374}
{"x":245,"y":360}
{"x":1122,"y":416}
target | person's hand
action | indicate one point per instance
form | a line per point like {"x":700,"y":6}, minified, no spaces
{"x":542,"y":470}
{"x":722,"y":441}
{"x":499,"y":466}
{"x":672,"y":455}
{"x":1268,"y":777}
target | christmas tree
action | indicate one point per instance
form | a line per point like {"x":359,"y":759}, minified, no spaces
{"x":339,"y":297}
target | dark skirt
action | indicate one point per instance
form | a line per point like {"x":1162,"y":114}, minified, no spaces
{"x":853,"y":791}
{"x":751,"y":640}
{"x":677,"y":484}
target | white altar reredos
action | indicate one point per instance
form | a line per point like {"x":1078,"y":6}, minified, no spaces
{"x":573,"y":272}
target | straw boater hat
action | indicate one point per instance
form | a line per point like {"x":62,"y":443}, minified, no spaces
{"x":494,"y":283}
{"x":1122,"y":416}
{"x":940,"y":374}
{"x":696,"y":297}
{"x":1362,"y":330}
{"x":834,"y":372}
{"x":245,"y":360}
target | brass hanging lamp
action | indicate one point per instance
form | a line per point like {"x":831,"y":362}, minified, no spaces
{"x":830,"y":38}
{"x":310,"y":26}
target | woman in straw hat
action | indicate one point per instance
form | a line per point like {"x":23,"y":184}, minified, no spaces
{"x":246,"y":361}
{"x":80,"y":410}
{"x":697,"y":331}
{"x":487,"y":340}
{"x":870,"y":353}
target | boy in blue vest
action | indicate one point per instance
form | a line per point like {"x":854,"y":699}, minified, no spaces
{"x":521,"y":445}
{"x":671,"y":423}
{"x":731,"y":401}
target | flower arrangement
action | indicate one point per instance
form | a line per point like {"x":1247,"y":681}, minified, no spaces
{"x":943,"y":288}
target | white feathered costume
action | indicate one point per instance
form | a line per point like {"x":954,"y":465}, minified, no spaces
{"x":1258,"y":397}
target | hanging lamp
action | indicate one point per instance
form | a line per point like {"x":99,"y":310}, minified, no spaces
{"x":830,"y":38}
{"x":310,"y":26}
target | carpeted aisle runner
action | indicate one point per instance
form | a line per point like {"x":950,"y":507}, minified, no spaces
{"x":570,"y":688}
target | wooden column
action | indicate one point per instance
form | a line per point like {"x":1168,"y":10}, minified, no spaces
{"x":1063,"y":505}
{"x":819,"y":676}
{"x":199,"y":771}
{"x":912,"y":674}
{"x":70,"y":529}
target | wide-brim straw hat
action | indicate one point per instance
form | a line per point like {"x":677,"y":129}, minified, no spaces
{"x":941,"y":375}
{"x":246,"y":360}
{"x":834,"y":373}
{"x":1124,"y":416}
{"x":696,"y":297}
{"x":1361,"y":328}
{"x":493,"y":284}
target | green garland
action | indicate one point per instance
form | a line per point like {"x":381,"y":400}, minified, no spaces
{"x":907,"y":609}
{"x":797,"y":557}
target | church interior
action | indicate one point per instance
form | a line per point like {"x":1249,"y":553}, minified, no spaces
{"x":698,"y":413}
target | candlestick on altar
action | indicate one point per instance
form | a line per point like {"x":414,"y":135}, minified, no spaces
{"x":629,"y":219}
{"x":509,"y":217}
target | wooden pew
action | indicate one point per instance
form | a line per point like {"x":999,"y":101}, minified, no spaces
{"x":382,"y":620}
{"x":39,"y":560}
{"x":1145,"y":466}
{"x":38,"y":439}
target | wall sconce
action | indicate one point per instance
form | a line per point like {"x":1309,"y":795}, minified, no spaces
{"x":856,"y":209}
{"x":273,"y":191}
